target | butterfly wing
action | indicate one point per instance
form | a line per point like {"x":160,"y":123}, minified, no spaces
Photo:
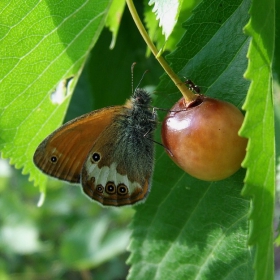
{"x":62,"y":154}
{"x":119,"y":166}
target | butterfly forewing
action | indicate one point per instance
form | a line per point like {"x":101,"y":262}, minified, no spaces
{"x":62,"y":154}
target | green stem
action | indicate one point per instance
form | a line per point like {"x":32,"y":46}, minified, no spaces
{"x":186,"y":92}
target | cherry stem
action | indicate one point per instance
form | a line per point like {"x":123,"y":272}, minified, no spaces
{"x":186,"y":92}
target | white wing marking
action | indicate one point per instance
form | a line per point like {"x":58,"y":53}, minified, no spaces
{"x":109,"y":174}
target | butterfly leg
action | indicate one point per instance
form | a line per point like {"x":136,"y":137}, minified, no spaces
{"x":147,"y":133}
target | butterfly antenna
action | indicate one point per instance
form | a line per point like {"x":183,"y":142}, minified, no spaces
{"x":132,"y":68}
{"x":142,"y":78}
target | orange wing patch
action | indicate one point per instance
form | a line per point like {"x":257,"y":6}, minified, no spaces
{"x":63,"y":153}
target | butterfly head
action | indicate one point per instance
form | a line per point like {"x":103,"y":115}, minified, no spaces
{"x":141,"y":97}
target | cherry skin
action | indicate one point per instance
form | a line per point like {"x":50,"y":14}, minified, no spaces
{"x":202,"y":137}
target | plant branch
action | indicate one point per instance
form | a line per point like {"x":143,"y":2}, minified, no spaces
{"x":186,"y":92}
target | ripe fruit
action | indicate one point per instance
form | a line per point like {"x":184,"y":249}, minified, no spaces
{"x":202,"y":137}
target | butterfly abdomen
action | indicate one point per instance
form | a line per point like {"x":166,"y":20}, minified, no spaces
{"x":136,"y":140}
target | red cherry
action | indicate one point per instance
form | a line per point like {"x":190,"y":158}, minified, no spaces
{"x":202,"y":137}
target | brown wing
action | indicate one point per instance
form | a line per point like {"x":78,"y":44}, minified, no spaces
{"x":114,"y":179}
{"x":63,"y":153}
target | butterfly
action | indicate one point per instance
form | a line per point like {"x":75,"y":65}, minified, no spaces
{"x":110,"y":151}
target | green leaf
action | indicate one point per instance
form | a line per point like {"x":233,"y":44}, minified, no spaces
{"x":193,"y":230}
{"x":277,"y":141}
{"x":187,"y":228}
{"x":42,"y":44}
{"x":259,"y":128}
{"x":113,"y":19}
{"x":276,"y":61}
{"x":155,"y":32}
{"x":167,"y":13}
